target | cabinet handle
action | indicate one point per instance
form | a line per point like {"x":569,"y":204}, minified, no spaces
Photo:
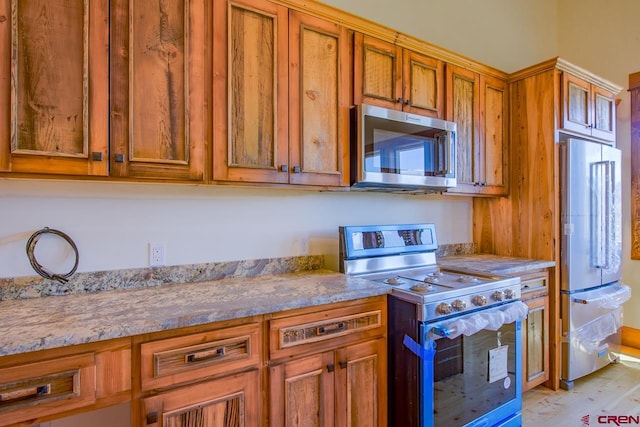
{"x":343,"y":364}
{"x":152,"y":418}
{"x":331,"y":367}
{"x":284,"y":168}
{"x":296,"y":169}
{"x":204,"y":355}
{"x":399,"y":100}
{"x":408,"y":102}
{"x":119,"y":158}
{"x":96,"y":156}
{"x":25,"y":393}
{"x":330,"y":329}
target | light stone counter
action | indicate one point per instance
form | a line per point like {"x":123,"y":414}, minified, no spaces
{"x":58,"y":321}
{"x":493,"y":264}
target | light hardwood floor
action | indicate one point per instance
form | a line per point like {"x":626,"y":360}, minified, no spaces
{"x":611,"y":391}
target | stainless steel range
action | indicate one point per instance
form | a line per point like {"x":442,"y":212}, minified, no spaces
{"x":454,"y":336}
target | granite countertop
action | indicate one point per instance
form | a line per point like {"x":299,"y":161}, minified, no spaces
{"x":58,"y":321}
{"x":493,"y":264}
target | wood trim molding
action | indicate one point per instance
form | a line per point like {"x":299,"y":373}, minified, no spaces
{"x":630,"y":337}
{"x":558,"y":63}
{"x":635,"y":165}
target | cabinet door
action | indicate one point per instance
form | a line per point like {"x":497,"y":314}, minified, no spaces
{"x":536,"y":348}
{"x":54,"y":90}
{"x":494,"y":147}
{"x":227,"y":402}
{"x":423,"y":83}
{"x":576,"y":105}
{"x":302,"y":392}
{"x":361,"y":390}
{"x":377,"y":72}
{"x":463,"y":107}
{"x":318,"y":101}
{"x":250,"y":90}
{"x":157,"y":89}
{"x":604,"y":114}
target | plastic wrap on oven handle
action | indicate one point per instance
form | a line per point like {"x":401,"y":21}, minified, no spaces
{"x":588,"y":336}
{"x":612,"y":301}
{"x":489,"y":319}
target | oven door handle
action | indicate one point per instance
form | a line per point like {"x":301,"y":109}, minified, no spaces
{"x":443,"y":331}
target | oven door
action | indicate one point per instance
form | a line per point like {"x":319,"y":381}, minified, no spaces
{"x":475,"y":376}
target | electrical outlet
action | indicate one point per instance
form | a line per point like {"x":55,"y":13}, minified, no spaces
{"x":156,"y":254}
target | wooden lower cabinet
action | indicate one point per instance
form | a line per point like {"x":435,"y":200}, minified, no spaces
{"x":44,"y":385}
{"x":329,"y":367}
{"x":231,"y":401}
{"x":336,"y":388}
{"x":535,"y":352}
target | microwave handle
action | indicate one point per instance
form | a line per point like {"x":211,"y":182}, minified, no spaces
{"x":449,"y":153}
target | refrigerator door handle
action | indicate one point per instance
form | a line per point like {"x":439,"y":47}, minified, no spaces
{"x":601,"y":194}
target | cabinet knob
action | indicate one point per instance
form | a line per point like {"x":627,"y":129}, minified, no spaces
{"x":296,"y":169}
{"x":331,"y":367}
{"x":284,"y":168}
{"x":152,"y":418}
{"x":408,"y":102}
{"x":400,"y":100}
{"x":343,"y":364}
{"x":96,"y":156}
{"x":118,"y":158}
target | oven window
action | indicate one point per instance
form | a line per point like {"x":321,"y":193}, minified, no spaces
{"x":472,"y":376}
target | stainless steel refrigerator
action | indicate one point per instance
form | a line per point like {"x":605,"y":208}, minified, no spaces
{"x":590,"y":254}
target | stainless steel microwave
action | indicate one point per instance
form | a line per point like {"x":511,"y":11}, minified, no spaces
{"x":400,"y":152}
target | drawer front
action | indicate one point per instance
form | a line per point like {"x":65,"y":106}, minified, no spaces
{"x":534,"y":286}
{"x":181,"y":359}
{"x":44,"y":388}
{"x":326,"y":329}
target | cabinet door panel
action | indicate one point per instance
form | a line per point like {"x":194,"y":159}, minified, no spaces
{"x":58,"y":63}
{"x":576,"y":101}
{"x":250,"y":91}
{"x":495,"y":144}
{"x":604,"y":120}
{"x":424,"y":92}
{"x":463,"y":108}
{"x":361,"y":387}
{"x":536,"y":348}
{"x":377,"y":72}
{"x":319,"y":100}
{"x":302,"y":392}
{"x":158,"y":89}
{"x":227,"y":402}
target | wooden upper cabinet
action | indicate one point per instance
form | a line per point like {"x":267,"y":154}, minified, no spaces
{"x":319,"y":100}
{"x":479,"y":106}
{"x":158,"y":63}
{"x":250,"y":89}
{"x":281,"y":90}
{"x":54,"y":91}
{"x":390,"y":76}
{"x":587,"y":109}
{"x":463,"y":107}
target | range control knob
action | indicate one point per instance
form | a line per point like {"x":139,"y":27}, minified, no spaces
{"x":498,"y":296}
{"x":459,"y":305}
{"x":444,"y":308}
{"x":479,"y":300}
{"x":509,"y":294}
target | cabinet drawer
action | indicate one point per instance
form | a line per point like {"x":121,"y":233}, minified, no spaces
{"x":326,"y":329}
{"x":534,"y":285}
{"x":176,"y":360}
{"x":39,"y":389}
